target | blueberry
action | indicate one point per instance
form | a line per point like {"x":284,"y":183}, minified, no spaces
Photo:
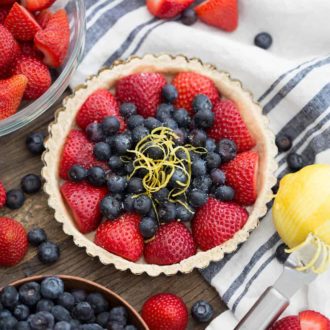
{"x":9,"y":297}
{"x":178,"y":178}
{"x":41,"y":321}
{"x":79,"y":295}
{"x":218,"y":177}
{"x":103,"y":319}
{"x":148,"y":227}
{"x":204,"y":119}
{"x":135,"y":121}
{"x":213,"y":160}
{"x":15,"y":199}
{"x":29,"y":293}
{"x":283,"y":142}
{"x":184,"y":214}
{"x":110,"y":125}
{"x":94,"y":132}
{"x":198,"y":167}
{"x":129,"y":203}
{"x":169,"y":93}
{"x":280,"y":253}
{"x":224,"y":193}
{"x":170,"y":123}
{"x":35,"y":143}
{"x":62,"y":325}
{"x":202,"y":311}
{"x":31,"y":183}
{"x":83,"y":311}
{"x":197,"y":197}
{"x":117,"y":184}
{"x":96,"y":176}
{"x":167,"y":212}
{"x":151,"y":123}
{"x":48,"y":252}
{"x":227,"y":149}
{"x":130,"y":327}
{"x":22,"y":325}
{"x":164,"y":111}
{"x":102,"y":151}
{"x":113,"y":325}
{"x":210,"y":145}
{"x":263,"y":40}
{"x":127,"y":110}
{"x":123,"y":142}
{"x":141,"y":172}
{"x":21,"y":312}
{"x":181,"y":154}
{"x":153,"y":151}
{"x":77,"y":173}
{"x":139,"y":133}
{"x":98,"y":302}
{"x":8,"y":323}
{"x":91,"y":326}
{"x":4,"y":313}
{"x":135,"y":185}
{"x":182,"y":136}
{"x":197,"y":137}
{"x":115,"y":163}
{"x":295,"y":162}
{"x":161,"y":195}
{"x":75,"y":324}
{"x":181,"y":116}
{"x":188,"y":16}
{"x":119,"y":314}
{"x":44,"y":305}
{"x":60,"y":313}
{"x":110,"y":207}
{"x":201,"y":103}
{"x":142,"y":204}
{"x":52,"y":287}
{"x":36,"y":236}
{"x":276,"y":187}
{"x":203,"y":183}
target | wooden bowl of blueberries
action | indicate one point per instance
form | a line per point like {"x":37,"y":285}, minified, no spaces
{"x":65,"y":303}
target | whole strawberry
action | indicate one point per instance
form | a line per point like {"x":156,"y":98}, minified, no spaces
{"x":167,"y":8}
{"x":165,"y":311}
{"x":142,"y":89}
{"x":121,"y":236}
{"x":287,"y":323}
{"x":216,"y":222}
{"x":173,"y":243}
{"x":3,"y":196}
{"x":311,"y":320}
{"x":13,"y":242}
{"x":190,"y":84}
{"x":229,"y":124}
{"x":83,"y":201}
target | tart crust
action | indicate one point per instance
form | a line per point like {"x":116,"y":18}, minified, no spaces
{"x":169,"y":65}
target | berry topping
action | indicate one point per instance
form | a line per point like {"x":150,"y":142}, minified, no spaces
{"x":202,"y":103}
{"x":204,"y":119}
{"x":167,"y":8}
{"x":110,"y":125}
{"x":169,"y":93}
{"x":94,"y":132}
{"x":283,"y":142}
{"x":202,"y":311}
{"x":36,"y":236}
{"x":102,"y":151}
{"x":263,"y":40}
{"x":123,"y":142}
{"x":184,"y":214}
{"x":213,"y":160}
{"x":96,"y":176}
{"x":197,"y":197}
{"x":77,"y":173}
{"x":142,"y":204}
{"x":181,"y":116}
{"x":166,"y":212}
{"x":31,"y":183}
{"x":127,"y":110}
{"x":224,"y":193}
{"x":218,"y":177}
{"x":148,"y":227}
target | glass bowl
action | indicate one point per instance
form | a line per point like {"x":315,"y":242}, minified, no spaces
{"x":32,"y":110}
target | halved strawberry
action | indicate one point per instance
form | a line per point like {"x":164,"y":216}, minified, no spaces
{"x":121,"y":236}
{"x":167,"y":8}
{"x":229,"y":124}
{"x":54,"y":40}
{"x":21,"y":23}
{"x":43,"y":18}
{"x":220,"y":13}
{"x":98,"y":106}
{"x":173,"y":243}
{"x":216,"y":222}
{"x":189,"y":84}
{"x":142,"y":89}
{"x":11,"y":93}
{"x":27,"y":48}
{"x":287,"y":323}
{"x":77,"y":150}
{"x":242,"y":175}
{"x":83,"y":201}
{"x":3,"y":13}
{"x":311,"y":320}
{"x":36,"y":5}
{"x":8,"y":48}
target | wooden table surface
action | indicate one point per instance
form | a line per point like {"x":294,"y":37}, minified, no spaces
{"x":15,"y":162}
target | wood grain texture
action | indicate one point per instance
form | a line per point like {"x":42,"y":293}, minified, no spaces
{"x":15,"y":162}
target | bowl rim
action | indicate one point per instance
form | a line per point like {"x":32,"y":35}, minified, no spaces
{"x":35,"y":109}
{"x":50,"y":160}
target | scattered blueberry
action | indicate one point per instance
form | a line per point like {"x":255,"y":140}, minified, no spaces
{"x":184,"y":214}
{"x":135,"y":121}
{"x":83,"y":311}
{"x":227,"y":149}
{"x":295,"y":161}
{"x":224,"y":193}
{"x":197,"y":137}
{"x":96,"y":176}
{"x":36,"y":236}
{"x":98,"y":302}
{"x":77,"y":173}
{"x":9,"y":297}
{"x":283,"y":142}
{"x":31,"y":183}
{"x":148,"y":227}
{"x":123,"y":142}
{"x":204,"y":119}
{"x":210,"y":145}
{"x":110,"y":125}
{"x":188,"y":16}
{"x":280,"y":253}
{"x":52,"y":287}
{"x":94,"y":132}
{"x":127,"y":110}
{"x":29,"y":293}
{"x":41,"y":321}
{"x":135,"y":186}
{"x":139,"y":133}
{"x":142,"y":204}
{"x":197,"y":197}
{"x":167,"y":212}
{"x":202,"y":311}
{"x":48,"y":252}
{"x":201,"y":103}
{"x":35,"y":143}
{"x":181,"y":116}
{"x":213,"y":160}
{"x":15,"y":199}
{"x":218,"y":177}
{"x":117,"y":184}
{"x":263,"y":40}
{"x":110,"y":207}
{"x":79,"y":295}
{"x":102,"y":151}
{"x":169,"y":93}
{"x":44,"y":305}
{"x":198,"y":167}
{"x":60,"y":313}
{"x":164,"y":111}
{"x":151,"y":123}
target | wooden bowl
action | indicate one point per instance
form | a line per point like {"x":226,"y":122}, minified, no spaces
{"x":74,"y":282}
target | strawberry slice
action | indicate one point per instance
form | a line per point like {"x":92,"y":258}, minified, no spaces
{"x":83,"y":201}
{"x":36,"y":5}
{"x":242,"y":175}
{"x":219,"y":13}
{"x":311,"y":320}
{"x":11,"y":93}
{"x":21,"y":23}
{"x":54,"y":40}
{"x":3,"y":13}
{"x":27,"y":48}
{"x":121,"y":237}
{"x":287,"y":323}
{"x":167,"y":8}
{"x":8,"y":48}
{"x":229,"y":124}
{"x":43,"y":18}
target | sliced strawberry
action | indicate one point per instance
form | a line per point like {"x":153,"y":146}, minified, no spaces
{"x":189,"y":84}
{"x":311,"y":320}
{"x":242,"y":175}
{"x":3,"y":13}
{"x":142,"y":89}
{"x":173,"y":243}
{"x":216,"y":222}
{"x":167,"y":8}
{"x":27,"y":48}
{"x":220,"y":13}
{"x":36,"y":5}
{"x":98,"y":106}
{"x":121,"y":237}
{"x":8,"y":48}
{"x":83,"y":201}
{"x":3,"y":195}
{"x":6,"y":2}
{"x":39,"y":78}
{"x":228,"y":123}
{"x":11,"y":93}
{"x":43,"y":18}
{"x":21,"y":23}
{"x":54,"y":40}
{"x":77,"y":150}
{"x":287,"y":323}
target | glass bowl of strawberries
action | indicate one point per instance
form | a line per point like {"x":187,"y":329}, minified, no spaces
{"x":41,"y":44}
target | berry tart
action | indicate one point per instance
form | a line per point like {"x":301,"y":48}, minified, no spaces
{"x":159,"y":164}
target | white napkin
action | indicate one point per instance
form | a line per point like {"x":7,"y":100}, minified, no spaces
{"x":291,"y":80}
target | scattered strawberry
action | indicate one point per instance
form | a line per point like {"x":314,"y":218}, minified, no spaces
{"x":27,"y":48}
{"x":167,"y":8}
{"x":3,"y":13}
{"x":39,"y":78}
{"x":189,"y":84}
{"x":311,"y":320}
{"x":165,"y":311}
{"x":220,"y":13}
{"x":216,"y":222}
{"x":142,"y":89}
{"x":11,"y":93}
{"x":121,"y":237}
{"x":77,"y":150}
{"x":287,"y":323}
{"x":21,"y":23}
{"x":43,"y":18}
{"x":3,"y":196}
{"x":13,"y":242}
{"x":36,"y":5}
{"x":242,"y":174}
{"x":8,"y":48}
{"x":173,"y":243}
{"x":98,"y":106}
{"x":54,"y":40}
{"x":228,"y":123}
{"x":83,"y":201}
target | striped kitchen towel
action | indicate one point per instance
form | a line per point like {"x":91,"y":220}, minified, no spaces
{"x":291,"y":80}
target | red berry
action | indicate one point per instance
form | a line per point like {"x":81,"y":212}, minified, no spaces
{"x":3,"y":196}
{"x":36,"y":5}
{"x":27,"y":48}
{"x":8,"y":48}
{"x":311,"y":320}
{"x":287,"y":323}
{"x":43,"y":18}
{"x":3,"y":13}
{"x":167,"y":8}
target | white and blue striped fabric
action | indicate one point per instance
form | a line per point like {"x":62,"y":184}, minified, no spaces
{"x":291,"y":80}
